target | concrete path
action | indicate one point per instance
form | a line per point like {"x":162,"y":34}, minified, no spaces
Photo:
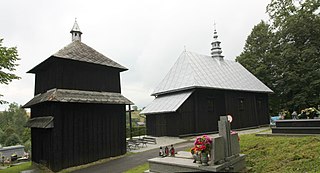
{"x":161,"y":141}
{"x":143,"y":154}
{"x":128,"y":162}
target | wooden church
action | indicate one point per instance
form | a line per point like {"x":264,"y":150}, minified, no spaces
{"x":199,"y":89}
{"x":78,"y":112}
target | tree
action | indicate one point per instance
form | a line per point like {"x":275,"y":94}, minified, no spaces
{"x":12,"y":123}
{"x":15,"y":117}
{"x":297,"y":27}
{"x":8,"y":57}
{"x":13,"y":139}
{"x":2,"y":137}
{"x":285,"y":53}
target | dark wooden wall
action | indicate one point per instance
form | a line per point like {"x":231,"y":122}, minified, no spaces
{"x":201,"y":111}
{"x":82,"y":133}
{"x":69,"y":74}
{"x":248,"y":109}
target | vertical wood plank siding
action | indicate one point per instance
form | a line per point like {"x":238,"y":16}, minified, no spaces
{"x":82,"y":133}
{"x":69,"y":74}
{"x":194,"y":115}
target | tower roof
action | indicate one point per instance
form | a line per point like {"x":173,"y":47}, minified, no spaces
{"x":75,"y":27}
{"x":193,"y":70}
{"x":79,"y":51}
{"x":216,"y":51}
{"x":75,"y":32}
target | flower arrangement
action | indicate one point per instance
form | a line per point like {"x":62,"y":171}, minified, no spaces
{"x":285,"y":114}
{"x":202,"y":144}
{"x":309,"y":113}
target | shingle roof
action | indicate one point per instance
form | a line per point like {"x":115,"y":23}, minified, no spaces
{"x":166,"y":103}
{"x":193,"y":70}
{"x":81,"y":52}
{"x":40,"y":122}
{"x":77,"y":96}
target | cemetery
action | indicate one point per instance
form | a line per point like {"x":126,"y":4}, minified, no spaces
{"x":257,"y":111}
{"x":224,"y":152}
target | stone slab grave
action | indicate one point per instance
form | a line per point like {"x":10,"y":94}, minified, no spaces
{"x":225,"y":156}
{"x":299,"y":126}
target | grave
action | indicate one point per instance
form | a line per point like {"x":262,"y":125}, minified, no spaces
{"x":225,"y":155}
{"x":300,"y":126}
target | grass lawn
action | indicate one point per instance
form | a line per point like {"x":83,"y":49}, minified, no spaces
{"x":139,"y":169}
{"x":275,"y":154}
{"x":281,"y":154}
{"x":17,"y":169}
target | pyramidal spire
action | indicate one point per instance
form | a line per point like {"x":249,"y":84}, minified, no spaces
{"x":75,"y":31}
{"x":216,"y":49}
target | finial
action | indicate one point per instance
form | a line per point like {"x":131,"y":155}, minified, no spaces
{"x":75,"y":31}
{"x":185,"y":49}
{"x":216,"y":49}
{"x":214,"y":25}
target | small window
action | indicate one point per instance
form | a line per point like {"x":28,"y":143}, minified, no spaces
{"x":241,"y":104}
{"x":259,"y":104}
{"x":210,"y":103}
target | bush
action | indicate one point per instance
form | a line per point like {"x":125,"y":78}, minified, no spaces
{"x":27,"y":146}
{"x":12,"y":140}
{"x":136,"y":131}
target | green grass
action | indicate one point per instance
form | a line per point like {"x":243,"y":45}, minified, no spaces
{"x":139,"y":169}
{"x":281,"y":154}
{"x":264,"y":154}
{"x":274,"y":154}
{"x":18,"y":168}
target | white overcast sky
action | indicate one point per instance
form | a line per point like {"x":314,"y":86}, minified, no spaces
{"x":146,"y":36}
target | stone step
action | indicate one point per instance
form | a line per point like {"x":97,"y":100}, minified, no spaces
{"x":296,"y":130}
{"x":298,"y":123}
{"x":180,"y":164}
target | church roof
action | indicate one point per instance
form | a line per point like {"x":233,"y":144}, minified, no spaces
{"x":79,"y":51}
{"x":166,"y":103}
{"x":78,"y":96}
{"x":193,"y":70}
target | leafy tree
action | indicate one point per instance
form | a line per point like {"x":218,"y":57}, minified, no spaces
{"x":2,"y":137}
{"x":26,"y":135}
{"x":298,"y":30}
{"x":285,"y":53}
{"x":12,"y":123}
{"x":15,"y":117}
{"x":13,"y":139}
{"x":8,"y":57}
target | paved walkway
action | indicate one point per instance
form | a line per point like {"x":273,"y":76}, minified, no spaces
{"x":161,"y":141}
{"x":143,"y":154}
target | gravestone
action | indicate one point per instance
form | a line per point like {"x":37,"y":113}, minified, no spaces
{"x":217,"y":152}
{"x":226,"y":146}
{"x":225,"y":155}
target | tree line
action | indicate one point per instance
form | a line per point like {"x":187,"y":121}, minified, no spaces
{"x":284,"y":53}
{"x":12,"y":130}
